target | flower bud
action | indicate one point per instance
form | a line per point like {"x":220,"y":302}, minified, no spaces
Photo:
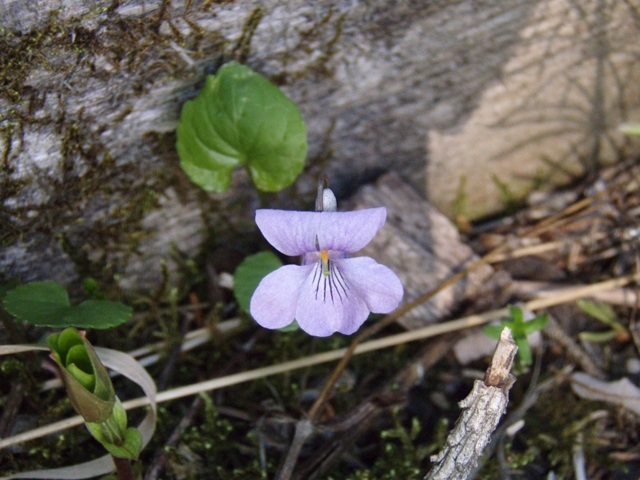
{"x":87,"y":382}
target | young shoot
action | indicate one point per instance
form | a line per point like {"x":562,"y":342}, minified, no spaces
{"x":519,"y":330}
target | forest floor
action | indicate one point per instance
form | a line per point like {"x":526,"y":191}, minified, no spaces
{"x":389,"y":409}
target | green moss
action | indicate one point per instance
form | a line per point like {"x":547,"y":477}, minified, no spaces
{"x":7,"y":130}
{"x":21,"y":53}
{"x":69,"y":50}
{"x":243,"y":46}
{"x":313,"y":41}
{"x":8,"y":187}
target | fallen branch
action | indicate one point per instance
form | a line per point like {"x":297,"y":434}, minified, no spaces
{"x":483,"y":409}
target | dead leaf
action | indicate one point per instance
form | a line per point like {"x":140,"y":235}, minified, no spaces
{"x":621,"y":392}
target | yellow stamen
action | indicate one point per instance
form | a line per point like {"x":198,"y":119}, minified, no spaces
{"x":324,"y":256}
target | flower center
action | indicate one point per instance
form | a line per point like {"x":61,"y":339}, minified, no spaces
{"x":330,"y":284}
{"x":324,"y":256}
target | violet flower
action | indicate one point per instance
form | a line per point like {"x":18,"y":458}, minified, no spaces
{"x":329,"y":292}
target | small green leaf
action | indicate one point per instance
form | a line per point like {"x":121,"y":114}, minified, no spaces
{"x":100,"y":432}
{"x":61,"y":343}
{"x":524,"y":350}
{"x":39,"y":303}
{"x":240,"y":118}
{"x":92,"y":290}
{"x":632,"y":129}
{"x":119,"y":416}
{"x":519,"y":329}
{"x":114,"y":435}
{"x":536,"y":324}
{"x":599,"y":311}
{"x":597,"y":337}
{"x":516,"y":314}
{"x":493,"y":331}
{"x":249,"y":274}
{"x":90,"y":285}
{"x":98,"y":314}
{"x":78,"y":356}
{"x":292,"y":327}
{"x":86,"y":380}
{"x":131,"y":447}
{"x":90,"y":406}
{"x":111,"y":432}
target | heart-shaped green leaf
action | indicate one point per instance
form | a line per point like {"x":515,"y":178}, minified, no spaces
{"x":240,"y":118}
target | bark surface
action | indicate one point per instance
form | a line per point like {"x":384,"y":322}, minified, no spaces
{"x":92,"y":90}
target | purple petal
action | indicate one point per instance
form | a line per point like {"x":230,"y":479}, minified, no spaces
{"x":295,"y":233}
{"x":273,"y":304}
{"x":349,"y":231}
{"x":290,"y":232}
{"x":378,"y":286}
{"x":326,"y":307}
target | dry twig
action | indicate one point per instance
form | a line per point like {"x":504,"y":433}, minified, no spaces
{"x":555,"y":332}
{"x":483,"y":409}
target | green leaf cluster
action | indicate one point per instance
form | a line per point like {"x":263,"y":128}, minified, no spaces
{"x":47,"y":304}
{"x":240,"y":118}
{"x":519,"y":330}
{"x":86,"y":380}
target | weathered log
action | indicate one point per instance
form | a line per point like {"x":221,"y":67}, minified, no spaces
{"x":91,"y":91}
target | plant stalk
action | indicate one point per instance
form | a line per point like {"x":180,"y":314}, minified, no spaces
{"x":123,"y":468}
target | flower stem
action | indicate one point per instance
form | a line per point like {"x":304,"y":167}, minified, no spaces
{"x":123,"y":468}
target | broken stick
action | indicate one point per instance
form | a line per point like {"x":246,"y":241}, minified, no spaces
{"x":482,"y":411}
